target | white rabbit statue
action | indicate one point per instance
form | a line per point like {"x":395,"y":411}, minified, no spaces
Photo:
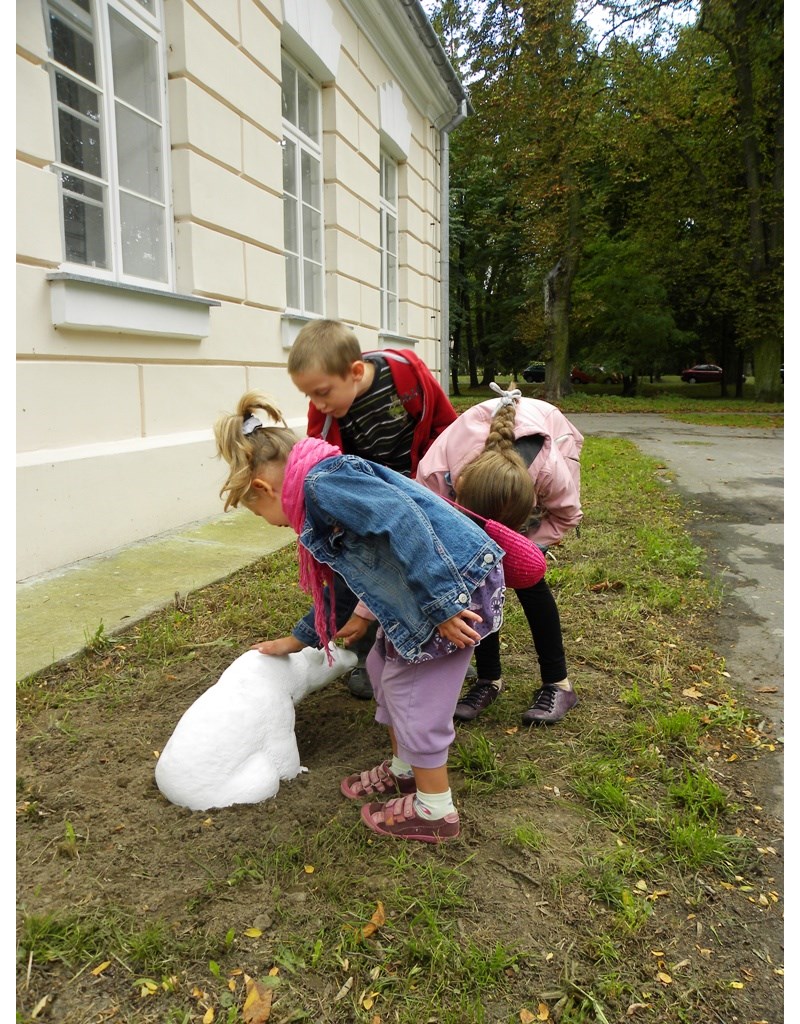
{"x":237,"y":741}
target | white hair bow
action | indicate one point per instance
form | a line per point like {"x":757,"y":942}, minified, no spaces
{"x":506,"y":397}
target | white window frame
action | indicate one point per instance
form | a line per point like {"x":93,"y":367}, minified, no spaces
{"x":389,"y":256}
{"x":150,"y":23}
{"x":310,"y":148}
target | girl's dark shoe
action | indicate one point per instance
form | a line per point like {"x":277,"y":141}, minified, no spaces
{"x":550,"y":705}
{"x":358,"y":683}
{"x":480,"y":696}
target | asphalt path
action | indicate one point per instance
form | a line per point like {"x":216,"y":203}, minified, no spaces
{"x":732,"y":481}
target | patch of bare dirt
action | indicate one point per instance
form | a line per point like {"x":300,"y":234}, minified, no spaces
{"x":90,"y":763}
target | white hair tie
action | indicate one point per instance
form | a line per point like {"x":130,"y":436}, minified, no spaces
{"x":506,"y":397}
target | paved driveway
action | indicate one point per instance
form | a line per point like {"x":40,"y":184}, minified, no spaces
{"x":733,"y":479}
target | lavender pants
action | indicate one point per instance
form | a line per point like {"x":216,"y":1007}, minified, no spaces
{"x":417,"y":699}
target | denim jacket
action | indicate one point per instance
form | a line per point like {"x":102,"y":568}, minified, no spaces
{"x":408,"y":555}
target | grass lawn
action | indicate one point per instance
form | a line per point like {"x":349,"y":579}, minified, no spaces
{"x":690,"y":403}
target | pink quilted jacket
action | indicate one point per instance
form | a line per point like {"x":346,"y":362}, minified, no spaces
{"x":555,"y":471}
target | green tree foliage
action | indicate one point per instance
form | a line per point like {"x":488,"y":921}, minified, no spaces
{"x":619,"y":195}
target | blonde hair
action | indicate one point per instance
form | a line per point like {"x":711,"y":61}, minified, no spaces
{"x":271,"y":442}
{"x":497,"y":484}
{"x":328,"y":346}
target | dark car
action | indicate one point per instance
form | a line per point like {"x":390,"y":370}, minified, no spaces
{"x":702,"y":373}
{"x":534,"y":374}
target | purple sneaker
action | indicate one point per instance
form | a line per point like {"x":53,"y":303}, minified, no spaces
{"x":550,"y":705}
{"x":483,"y":693}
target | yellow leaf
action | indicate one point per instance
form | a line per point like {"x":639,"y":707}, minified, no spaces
{"x":208,"y":1016}
{"x":149,"y":988}
{"x":309,"y":869}
{"x":664,"y":978}
{"x":274,"y":972}
{"x":641,"y":885}
{"x":656,"y":952}
{"x":258,"y":1003}
{"x":512,"y":730}
{"x":733,"y":757}
{"x":101,"y":967}
{"x":526,"y":1017}
{"x":544,"y":1012}
{"x":376,"y":921}
{"x":207,"y":822}
{"x":737,"y":984}
{"x":692,"y":691}
{"x":253,"y":933}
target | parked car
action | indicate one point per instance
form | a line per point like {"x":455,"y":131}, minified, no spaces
{"x":534,"y":374}
{"x":593,"y":375}
{"x":702,"y":374}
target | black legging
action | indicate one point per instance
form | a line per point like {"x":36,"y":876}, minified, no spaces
{"x":541,"y":611}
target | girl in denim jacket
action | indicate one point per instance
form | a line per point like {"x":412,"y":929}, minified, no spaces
{"x":432,"y":578}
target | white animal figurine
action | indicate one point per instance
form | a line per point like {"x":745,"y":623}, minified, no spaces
{"x":237,"y":741}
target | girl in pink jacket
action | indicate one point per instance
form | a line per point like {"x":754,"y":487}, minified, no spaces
{"x":515,"y":460}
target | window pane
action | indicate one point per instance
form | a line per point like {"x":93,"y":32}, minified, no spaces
{"x":307,"y":108}
{"x":71,"y":48}
{"x":290,"y":239}
{"x":84,"y":232}
{"x":78,"y":97}
{"x":312,"y":283}
{"x":310,"y":171}
{"x":143,"y":238}
{"x":289,"y":92}
{"x":391,"y":233}
{"x":391,"y":273}
{"x":293,"y":282}
{"x":312,"y":233}
{"x":80,"y":143}
{"x":139,"y":154}
{"x":134,"y":58}
{"x":388,"y":181}
{"x":391,"y":313}
{"x":289,"y":167}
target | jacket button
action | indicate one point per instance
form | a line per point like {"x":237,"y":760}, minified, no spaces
{"x":463,"y":598}
{"x":488,"y":559}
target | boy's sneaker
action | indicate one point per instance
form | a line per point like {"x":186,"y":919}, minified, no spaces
{"x":358,"y":683}
{"x":483,"y":693}
{"x":550,"y":705}
{"x":399,"y":818}
{"x":378,"y":780}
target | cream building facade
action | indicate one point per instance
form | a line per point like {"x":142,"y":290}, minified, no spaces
{"x":196,"y":179}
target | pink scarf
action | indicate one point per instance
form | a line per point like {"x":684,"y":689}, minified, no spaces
{"x":313,"y":574}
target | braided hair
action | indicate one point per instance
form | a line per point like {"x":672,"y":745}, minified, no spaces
{"x":245,"y":442}
{"x":497,"y":484}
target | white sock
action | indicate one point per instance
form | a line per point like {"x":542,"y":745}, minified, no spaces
{"x":434,"y":805}
{"x":399,"y":767}
{"x":565,"y":684}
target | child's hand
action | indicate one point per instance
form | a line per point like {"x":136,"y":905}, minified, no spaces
{"x":283,"y":645}
{"x":458,"y":631}
{"x":355,"y":627}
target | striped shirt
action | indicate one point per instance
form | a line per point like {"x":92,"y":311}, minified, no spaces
{"x":377,"y":426}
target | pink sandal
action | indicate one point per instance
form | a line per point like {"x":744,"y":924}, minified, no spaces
{"x":375,"y":782}
{"x":399,"y":818}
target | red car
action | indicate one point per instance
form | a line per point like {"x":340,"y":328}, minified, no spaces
{"x":702,"y":374}
{"x":593,"y":375}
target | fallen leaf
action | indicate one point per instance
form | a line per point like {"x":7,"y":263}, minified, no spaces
{"x":636,"y":1006}
{"x":309,"y":869}
{"x":526,"y":1017}
{"x":691,"y":691}
{"x":101,"y":967}
{"x":544,"y":1012}
{"x":607,"y":585}
{"x":343,"y":990}
{"x":208,"y":1016}
{"x":696,"y":668}
{"x":376,"y":921}
{"x":258,"y":1003}
{"x":41,"y":1005}
{"x":737,"y":984}
{"x":664,"y":978}
{"x":274,"y":972}
{"x":766,"y":689}
{"x":512,"y":730}
{"x":253,"y":933}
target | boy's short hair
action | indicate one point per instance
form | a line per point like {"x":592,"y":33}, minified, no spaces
{"x":328,"y":346}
